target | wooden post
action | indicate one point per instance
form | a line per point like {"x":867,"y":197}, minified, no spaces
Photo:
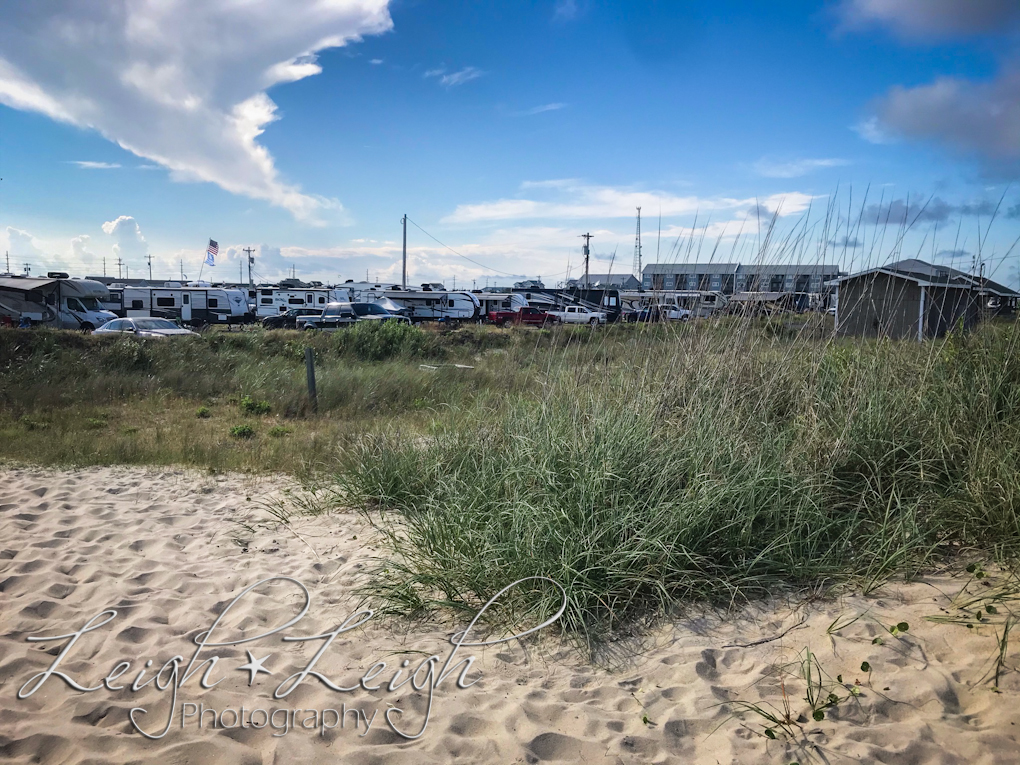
{"x":310,"y":373}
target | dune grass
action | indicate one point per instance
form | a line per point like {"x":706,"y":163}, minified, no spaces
{"x":640,"y":467}
{"x":723,"y":464}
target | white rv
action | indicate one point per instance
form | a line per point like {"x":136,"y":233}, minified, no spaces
{"x":695,"y":303}
{"x":272,"y":301}
{"x":55,"y":301}
{"x":191,"y":303}
{"x":425,"y":304}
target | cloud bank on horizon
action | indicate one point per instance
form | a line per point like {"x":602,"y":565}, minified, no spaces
{"x":180,"y":82}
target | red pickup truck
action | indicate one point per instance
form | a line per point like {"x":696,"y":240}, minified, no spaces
{"x":527,"y":315}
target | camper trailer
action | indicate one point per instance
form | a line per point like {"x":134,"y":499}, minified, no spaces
{"x":273,"y":301}
{"x":190,"y":303}
{"x":430,"y":303}
{"x":55,"y":301}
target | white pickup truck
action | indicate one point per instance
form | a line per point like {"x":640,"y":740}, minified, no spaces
{"x":578,"y":314}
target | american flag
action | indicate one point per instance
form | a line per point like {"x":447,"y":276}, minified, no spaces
{"x":211,"y":253}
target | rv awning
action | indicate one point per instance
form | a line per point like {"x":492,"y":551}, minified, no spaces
{"x":24,"y":284}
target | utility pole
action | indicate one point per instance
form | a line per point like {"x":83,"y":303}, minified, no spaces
{"x":587,"y":238}
{"x":104,"y":265}
{"x":8,"y":256}
{"x":403,"y":279}
{"x":182,"y":270}
{"x":149,"y":259}
{"x":637,"y":247}
{"x":28,"y":268}
{"x":251,"y":260}
{"x":119,"y":264}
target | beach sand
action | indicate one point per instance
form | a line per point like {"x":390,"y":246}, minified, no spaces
{"x":169,"y":550}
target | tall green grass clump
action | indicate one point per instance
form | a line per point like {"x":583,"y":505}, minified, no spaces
{"x":739,"y":463}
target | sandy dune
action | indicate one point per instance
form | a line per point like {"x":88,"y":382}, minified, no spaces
{"x":169,"y":550}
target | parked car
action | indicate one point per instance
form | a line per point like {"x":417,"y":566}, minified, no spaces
{"x":144,"y":326}
{"x":658,"y":313}
{"x":578,"y":314}
{"x":375,"y":312}
{"x":526,"y":316}
{"x":289,"y":319}
{"x":333,"y":316}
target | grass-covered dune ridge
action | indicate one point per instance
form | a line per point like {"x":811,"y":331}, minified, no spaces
{"x":732,"y":462}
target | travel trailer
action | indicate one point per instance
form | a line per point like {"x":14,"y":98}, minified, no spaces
{"x":55,"y":301}
{"x":426,"y":304}
{"x":190,"y":303}
{"x":272,"y":301}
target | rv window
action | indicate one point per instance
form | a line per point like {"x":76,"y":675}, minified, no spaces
{"x":136,"y":305}
{"x":267,"y":301}
{"x":309,"y":297}
{"x":74,"y":305}
{"x":214,"y":303}
{"x":321,"y":300}
{"x":267,"y":292}
{"x":165,"y":302}
{"x":295,"y":301}
{"x":186,"y":298}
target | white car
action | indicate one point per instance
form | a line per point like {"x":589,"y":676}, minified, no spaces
{"x":578,"y":314}
{"x":144,"y":326}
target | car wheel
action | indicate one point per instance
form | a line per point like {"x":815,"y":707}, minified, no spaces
{"x":594,"y":322}
{"x":88,"y":328}
{"x":505,"y":324}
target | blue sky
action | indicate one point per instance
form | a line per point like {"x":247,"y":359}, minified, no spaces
{"x":505,"y":130}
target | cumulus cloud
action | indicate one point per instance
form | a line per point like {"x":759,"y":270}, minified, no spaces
{"x":80,"y":252}
{"x":22,"y":245}
{"x":795,"y":168}
{"x":976,"y":118}
{"x":933,"y":18}
{"x":981,"y":119}
{"x":573,"y":200}
{"x":847,"y":242}
{"x":180,"y":82}
{"x":127,"y":237}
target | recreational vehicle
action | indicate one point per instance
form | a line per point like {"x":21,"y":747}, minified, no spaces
{"x":273,"y":301}
{"x":192,"y":304}
{"x":426,"y":304}
{"x":55,"y":301}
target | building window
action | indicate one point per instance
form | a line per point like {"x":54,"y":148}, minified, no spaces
{"x":658,"y":280}
{"x":777,"y":283}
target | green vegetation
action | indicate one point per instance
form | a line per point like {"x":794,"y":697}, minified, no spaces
{"x":639,"y":467}
{"x":242,"y":431}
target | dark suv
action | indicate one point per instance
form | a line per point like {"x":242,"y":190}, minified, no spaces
{"x":288,"y":320}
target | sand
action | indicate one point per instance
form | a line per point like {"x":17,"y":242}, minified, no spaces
{"x":169,"y":550}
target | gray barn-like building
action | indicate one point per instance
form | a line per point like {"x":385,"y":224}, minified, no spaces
{"x":912,"y":299}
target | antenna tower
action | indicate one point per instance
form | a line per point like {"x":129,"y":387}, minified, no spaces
{"x":637,"y":247}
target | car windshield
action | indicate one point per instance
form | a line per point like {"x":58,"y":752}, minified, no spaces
{"x":366,"y":309}
{"x":91,"y":303}
{"x":150,"y":324}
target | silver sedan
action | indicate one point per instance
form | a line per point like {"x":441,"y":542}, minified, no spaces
{"x":144,"y":326}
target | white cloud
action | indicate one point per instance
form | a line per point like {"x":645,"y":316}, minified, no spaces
{"x":933,"y":18}
{"x":452,"y":79}
{"x":179,"y":82}
{"x":795,"y":168}
{"x":376,"y":61}
{"x":85,"y":164}
{"x":566,"y":10}
{"x":22,"y":245}
{"x":127,"y":236}
{"x":544,"y":108}
{"x":872,"y":131}
{"x":593,"y":202}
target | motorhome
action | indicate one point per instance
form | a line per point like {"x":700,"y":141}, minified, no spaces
{"x":190,"y":303}
{"x":56,"y":301}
